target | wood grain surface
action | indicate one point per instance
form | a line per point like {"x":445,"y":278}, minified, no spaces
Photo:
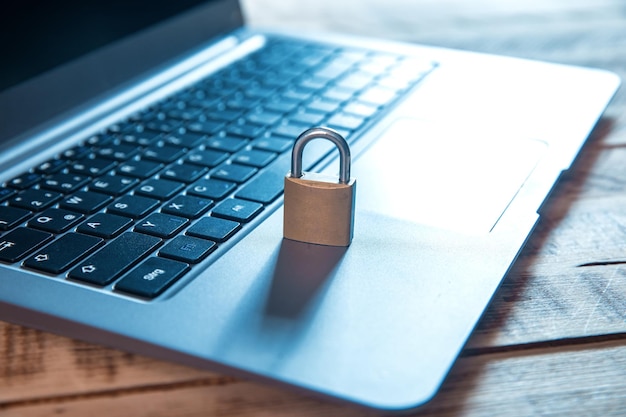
{"x":553,"y":342}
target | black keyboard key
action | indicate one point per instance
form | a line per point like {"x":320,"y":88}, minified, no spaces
{"x":61,"y":254}
{"x":272,"y":144}
{"x":282,"y":105}
{"x":290,"y":130}
{"x":352,"y":55}
{"x":161,"y":225}
{"x":245,"y":130}
{"x":183,"y":173}
{"x":338,"y":94}
{"x":233,"y":172}
{"x":114,"y":185}
{"x":295,"y":93}
{"x":103,"y":139}
{"x":50,"y":167}
{"x":188,"y":249}
{"x":254,"y":158}
{"x":141,"y":138}
{"x":378,"y":96}
{"x":64,"y":183}
{"x":345,"y":121}
{"x":259,"y":92}
{"x":104,"y":225}
{"x":185,"y":114}
{"x":265,"y":118}
{"x":55,"y":220}
{"x":204,"y":102}
{"x":265,"y":188}
{"x":210,"y":188}
{"x":35,"y":200}
{"x":77,"y":152}
{"x":206,"y":127}
{"x":226,"y":143}
{"x":187,"y":206}
{"x":213,"y":228}
{"x":139,"y":169}
{"x":164,"y":154}
{"x":115,"y":258}
{"x":6,"y":193}
{"x":308,"y":117}
{"x":332,"y":70}
{"x":312,"y":83}
{"x":237,"y":210}
{"x":359,"y":109}
{"x":346,"y":133}
{"x":152,"y":277}
{"x":184,"y":140}
{"x":85,"y":202}
{"x":117,"y":152}
{"x":24,"y":181}
{"x":20,"y":242}
{"x":207,"y":158}
{"x":377,"y":65}
{"x":241,"y":103}
{"x":355,"y":81}
{"x":323,"y":105}
{"x":12,"y":216}
{"x":159,"y":189}
{"x":163,"y":126}
{"x":133,"y":206}
{"x":92,"y":167}
{"x":273,"y":79}
{"x":224,"y":115}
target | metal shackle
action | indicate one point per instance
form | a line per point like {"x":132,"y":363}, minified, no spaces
{"x":321,"y":133}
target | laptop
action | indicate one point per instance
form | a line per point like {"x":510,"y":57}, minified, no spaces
{"x":143,"y":152}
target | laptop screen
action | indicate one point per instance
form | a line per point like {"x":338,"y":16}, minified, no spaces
{"x":42,"y":34}
{"x":60,"y":55}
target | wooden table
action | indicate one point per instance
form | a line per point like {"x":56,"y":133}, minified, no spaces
{"x":553,"y":342}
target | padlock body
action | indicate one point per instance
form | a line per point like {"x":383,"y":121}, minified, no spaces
{"x":318,"y":209}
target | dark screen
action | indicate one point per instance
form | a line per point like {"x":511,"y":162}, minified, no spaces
{"x":38,"y":35}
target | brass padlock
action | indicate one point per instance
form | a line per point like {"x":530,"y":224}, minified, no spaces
{"x":319,"y":208}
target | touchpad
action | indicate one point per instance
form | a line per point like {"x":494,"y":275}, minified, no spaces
{"x":454,"y":178}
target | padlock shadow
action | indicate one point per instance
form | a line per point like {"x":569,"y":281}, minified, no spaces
{"x":300,"y":272}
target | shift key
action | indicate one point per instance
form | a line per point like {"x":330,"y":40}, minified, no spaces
{"x":114,"y":259}
{"x":62,"y":253}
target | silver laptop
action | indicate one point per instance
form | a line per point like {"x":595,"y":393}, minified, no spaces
{"x":143,"y":152}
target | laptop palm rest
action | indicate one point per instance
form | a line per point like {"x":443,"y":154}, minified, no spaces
{"x":389,"y":314}
{"x":453,"y":178}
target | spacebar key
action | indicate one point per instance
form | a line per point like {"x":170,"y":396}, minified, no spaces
{"x":115,"y":258}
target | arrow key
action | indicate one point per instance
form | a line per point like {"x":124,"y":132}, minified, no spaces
{"x":104,"y":225}
{"x":62,"y":253}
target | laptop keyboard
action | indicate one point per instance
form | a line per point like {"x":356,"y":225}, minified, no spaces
{"x":136,"y":207}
